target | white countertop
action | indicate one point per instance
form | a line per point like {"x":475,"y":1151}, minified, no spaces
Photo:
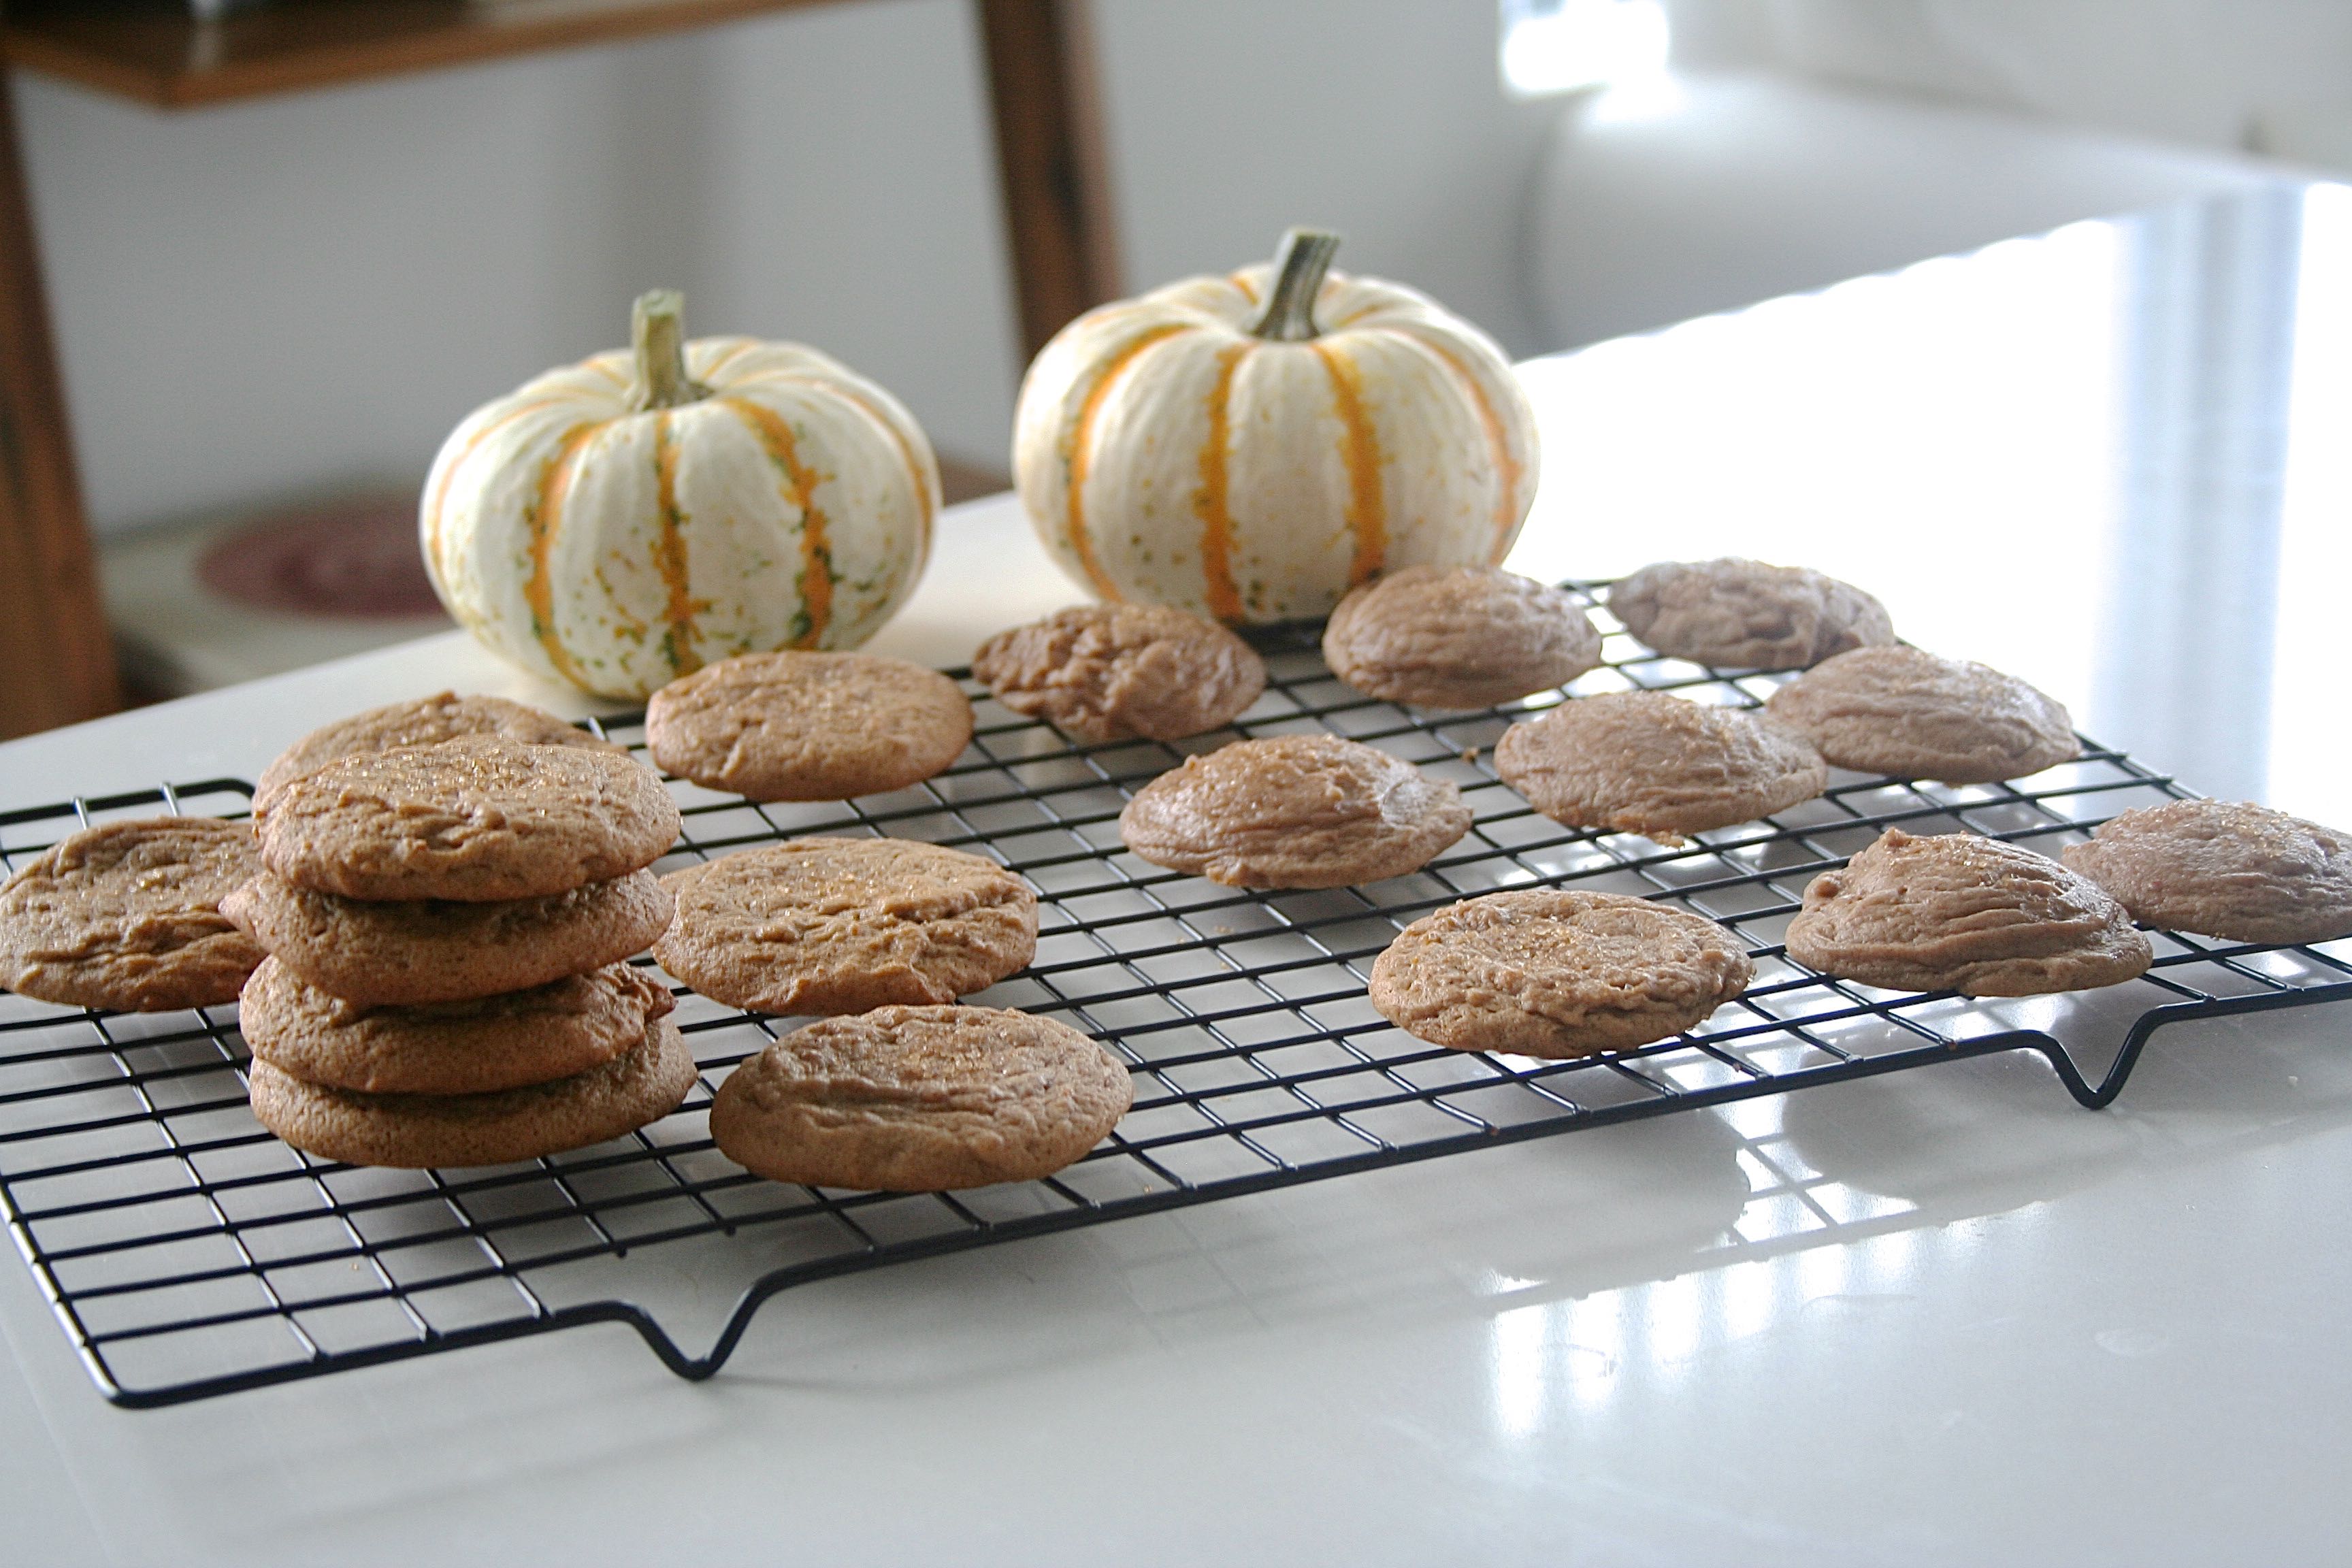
{"x":1944,"y":1317}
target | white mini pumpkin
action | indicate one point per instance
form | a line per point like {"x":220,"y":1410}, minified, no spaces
{"x":635,"y":517}
{"x":1251,"y":446}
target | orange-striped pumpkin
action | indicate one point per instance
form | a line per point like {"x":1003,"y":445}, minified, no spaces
{"x":630,"y":519}
{"x":1251,"y":446}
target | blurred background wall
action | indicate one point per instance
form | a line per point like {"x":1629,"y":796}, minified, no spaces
{"x":266,"y":299}
{"x":262,"y":299}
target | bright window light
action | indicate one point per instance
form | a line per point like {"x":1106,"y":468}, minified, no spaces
{"x":1558,"y":46}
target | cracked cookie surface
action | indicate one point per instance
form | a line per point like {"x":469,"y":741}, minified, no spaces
{"x":842,"y":925}
{"x":1954,"y":912}
{"x":1643,"y":762}
{"x":1905,"y":713}
{"x":1458,"y":636}
{"x":2227,"y":869}
{"x":1112,"y":672}
{"x":1556,"y":973}
{"x":808,"y":726}
{"x":1294,"y":811}
{"x":127,"y":915}
{"x":920,"y":1100}
{"x":474,"y":819}
{"x":426,"y":721}
{"x":1736,"y":614}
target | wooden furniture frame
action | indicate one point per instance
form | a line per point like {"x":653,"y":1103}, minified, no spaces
{"x":57,"y":658}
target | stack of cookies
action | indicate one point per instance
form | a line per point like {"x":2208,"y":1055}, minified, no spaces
{"x":446,"y":925}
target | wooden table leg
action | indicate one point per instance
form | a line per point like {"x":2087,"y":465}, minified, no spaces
{"x":57,"y":656}
{"x":1049,"y":145}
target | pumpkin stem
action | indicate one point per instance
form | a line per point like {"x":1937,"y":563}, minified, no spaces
{"x":657,"y":330}
{"x":1298,"y":267}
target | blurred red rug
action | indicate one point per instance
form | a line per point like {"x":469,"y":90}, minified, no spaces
{"x":357,"y":559}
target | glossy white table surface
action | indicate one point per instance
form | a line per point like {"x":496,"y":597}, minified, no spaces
{"x":1944,"y":1317}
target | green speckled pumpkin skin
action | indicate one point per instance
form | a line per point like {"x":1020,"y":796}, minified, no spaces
{"x":618,"y":550}
{"x":1166,"y":455}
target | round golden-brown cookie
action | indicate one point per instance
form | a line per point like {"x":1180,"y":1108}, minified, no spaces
{"x":2226,"y":869}
{"x":1745,"y":615}
{"x":808,"y":726}
{"x":474,"y":820}
{"x":421,"y":723}
{"x":1643,"y":762}
{"x":1910,"y":714}
{"x":415,"y":1130}
{"x":1458,"y":636}
{"x":1957,"y":912}
{"x":919,"y":1099}
{"x":1294,"y":811}
{"x":127,"y":915}
{"x":490,"y":1043}
{"x":383,"y":954}
{"x":842,"y":925}
{"x":1111,"y":672}
{"x":1552,"y":973}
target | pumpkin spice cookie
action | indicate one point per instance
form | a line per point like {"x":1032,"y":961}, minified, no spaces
{"x":1643,"y":762}
{"x":422,"y":723}
{"x":1745,"y":615}
{"x":1112,"y":672}
{"x":1957,"y":912}
{"x":490,"y":1043}
{"x":842,"y":925}
{"x":429,"y":950}
{"x":415,"y":1131}
{"x":1458,"y":636}
{"x":474,"y":820}
{"x":1551,"y":972}
{"x":808,"y":726}
{"x":920,"y":1100}
{"x":127,"y":915}
{"x":2227,"y":869}
{"x":1905,"y":713}
{"x":1294,"y":811}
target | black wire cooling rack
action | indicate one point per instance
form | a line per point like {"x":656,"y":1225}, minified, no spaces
{"x":187,"y":1253}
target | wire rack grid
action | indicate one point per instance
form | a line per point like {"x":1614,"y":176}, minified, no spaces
{"x":186,"y":1253}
